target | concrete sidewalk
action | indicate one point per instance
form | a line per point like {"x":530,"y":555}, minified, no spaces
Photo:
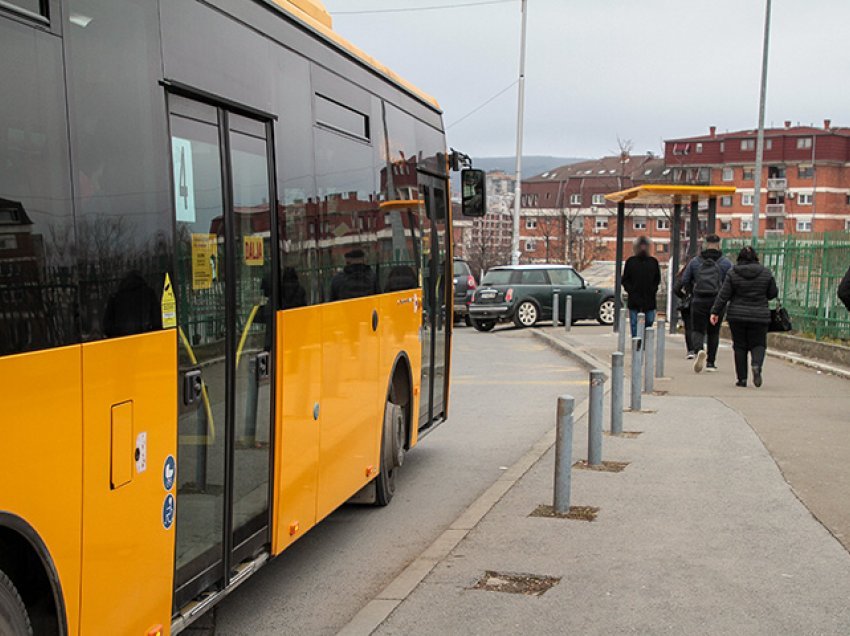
{"x":700,"y":534}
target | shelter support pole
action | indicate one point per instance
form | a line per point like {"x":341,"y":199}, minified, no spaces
{"x":712,"y":215}
{"x":675,"y":254}
{"x":618,"y":265}
{"x":693,"y":242}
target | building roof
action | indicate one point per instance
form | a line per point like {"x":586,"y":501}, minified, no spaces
{"x":314,"y":14}
{"x":637,"y":167}
{"x":785,"y":131}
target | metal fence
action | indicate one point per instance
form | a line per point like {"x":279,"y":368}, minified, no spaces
{"x":808,"y":269}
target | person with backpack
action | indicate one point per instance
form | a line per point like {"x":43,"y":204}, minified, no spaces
{"x":704,"y":279}
{"x":844,"y":290}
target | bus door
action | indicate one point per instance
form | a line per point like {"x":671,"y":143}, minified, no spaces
{"x":224,"y":288}
{"x":435,"y":312}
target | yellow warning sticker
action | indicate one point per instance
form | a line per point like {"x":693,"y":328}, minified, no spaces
{"x":168,"y":305}
{"x":203,"y":260}
{"x":253,"y":250}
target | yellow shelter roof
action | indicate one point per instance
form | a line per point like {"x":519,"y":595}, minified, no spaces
{"x":313,"y":14}
{"x":668,"y":194}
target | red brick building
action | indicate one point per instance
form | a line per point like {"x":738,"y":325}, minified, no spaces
{"x":805,"y":178}
{"x":565,"y":217}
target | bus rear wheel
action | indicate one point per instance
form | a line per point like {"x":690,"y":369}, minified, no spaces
{"x":14,"y":619}
{"x":392,"y":451}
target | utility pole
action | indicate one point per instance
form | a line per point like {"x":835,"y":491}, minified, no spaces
{"x":760,"y":137}
{"x":520,"y":113}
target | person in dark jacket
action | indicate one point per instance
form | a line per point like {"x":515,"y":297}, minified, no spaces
{"x":684,"y":308}
{"x":641,"y":278}
{"x":355,"y":280}
{"x":133,"y":308}
{"x":844,"y":290}
{"x":747,"y":289}
{"x":704,"y":278}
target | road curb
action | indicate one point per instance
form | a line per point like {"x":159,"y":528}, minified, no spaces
{"x":573,"y":350}
{"x":376,"y":611}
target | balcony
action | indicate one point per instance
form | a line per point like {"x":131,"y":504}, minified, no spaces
{"x":777,"y":184}
{"x":774,"y":210}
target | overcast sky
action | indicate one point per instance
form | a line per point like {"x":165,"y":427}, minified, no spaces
{"x":643,"y":70}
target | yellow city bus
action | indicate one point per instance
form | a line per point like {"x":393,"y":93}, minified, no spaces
{"x":224,"y":287}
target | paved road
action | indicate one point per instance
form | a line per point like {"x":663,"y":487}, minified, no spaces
{"x":504,"y":388}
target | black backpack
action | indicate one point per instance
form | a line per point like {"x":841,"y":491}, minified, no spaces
{"x":708,"y":278}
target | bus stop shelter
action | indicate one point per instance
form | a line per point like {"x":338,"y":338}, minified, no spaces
{"x":676,"y":196}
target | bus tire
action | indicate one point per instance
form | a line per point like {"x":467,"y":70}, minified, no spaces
{"x":392,"y":451}
{"x":14,"y":619}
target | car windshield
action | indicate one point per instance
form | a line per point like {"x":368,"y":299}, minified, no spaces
{"x":497,"y":277}
{"x":460,"y":268}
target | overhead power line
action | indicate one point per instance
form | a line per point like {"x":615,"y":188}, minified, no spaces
{"x":430,"y":8}
{"x":483,"y":104}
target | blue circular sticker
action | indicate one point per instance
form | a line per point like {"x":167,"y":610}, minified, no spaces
{"x":168,"y":511}
{"x":168,"y":471}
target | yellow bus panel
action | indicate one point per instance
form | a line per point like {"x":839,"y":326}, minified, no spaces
{"x":129,"y":445}
{"x":299,"y":382}
{"x":41,"y":456}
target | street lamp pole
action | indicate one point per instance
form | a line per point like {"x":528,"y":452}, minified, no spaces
{"x":760,"y":137}
{"x":520,"y":114}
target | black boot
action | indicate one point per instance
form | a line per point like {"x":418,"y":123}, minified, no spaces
{"x":757,"y":375}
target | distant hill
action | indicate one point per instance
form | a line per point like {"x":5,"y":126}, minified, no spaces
{"x":531,"y":165}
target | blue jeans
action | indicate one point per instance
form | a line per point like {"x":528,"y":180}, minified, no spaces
{"x":633,"y":319}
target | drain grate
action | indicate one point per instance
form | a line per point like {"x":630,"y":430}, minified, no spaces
{"x":604,"y":467}
{"x":578,"y":513}
{"x":624,"y":434}
{"x":515,"y":583}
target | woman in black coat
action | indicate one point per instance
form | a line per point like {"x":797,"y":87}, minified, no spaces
{"x":747,"y":288}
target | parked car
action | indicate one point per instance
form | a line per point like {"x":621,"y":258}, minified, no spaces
{"x":464,"y":286}
{"x":523,"y":294}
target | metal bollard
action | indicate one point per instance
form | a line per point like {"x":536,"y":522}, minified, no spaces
{"x":617,"y":378}
{"x":649,"y":361}
{"x":568,"y":313}
{"x":563,"y":453}
{"x":594,"y":417}
{"x":641,"y":327}
{"x":660,"y":349}
{"x":621,"y":334}
{"x":637,"y":367}
{"x":555,"y":309}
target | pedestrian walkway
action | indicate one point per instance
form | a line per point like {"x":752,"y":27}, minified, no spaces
{"x":700,"y":534}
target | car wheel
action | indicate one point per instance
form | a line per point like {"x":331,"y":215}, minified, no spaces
{"x":13,"y":614}
{"x":392,"y":451}
{"x":526,"y":314}
{"x":484,"y":325}
{"x":467,"y":320}
{"x":605,"y":314}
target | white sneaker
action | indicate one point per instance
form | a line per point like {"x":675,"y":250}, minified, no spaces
{"x":691,"y":355}
{"x":699,"y":362}
{"x":710,"y":368}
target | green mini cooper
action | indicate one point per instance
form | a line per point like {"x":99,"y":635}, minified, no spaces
{"x":524,"y":293}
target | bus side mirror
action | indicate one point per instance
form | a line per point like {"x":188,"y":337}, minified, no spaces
{"x":473,"y":192}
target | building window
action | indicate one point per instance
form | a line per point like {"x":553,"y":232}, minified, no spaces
{"x":804,"y":198}
{"x":749,"y":173}
{"x":780,"y":224}
{"x":726,"y":226}
{"x":598,"y":199}
{"x":639,"y":223}
{"x":531,"y":224}
{"x":722,"y":146}
{"x":746,"y":225}
{"x":747,"y":200}
{"x":847,"y":225}
{"x":662,"y":224}
{"x":699,"y":148}
{"x":804,"y":143}
{"x":768,"y":144}
{"x":575,"y":199}
{"x":805,"y":172}
{"x":529,"y":246}
{"x":748,"y":144}
{"x":662,"y":248}
{"x":726,"y":201}
{"x":728,"y":174}
{"x":804,"y":225}
{"x":601,"y":223}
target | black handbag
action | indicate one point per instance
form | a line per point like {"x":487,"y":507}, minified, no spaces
{"x":779,"y":319}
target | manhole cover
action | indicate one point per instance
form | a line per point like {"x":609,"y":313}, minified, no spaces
{"x":624,"y":434}
{"x":578,"y":513}
{"x":515,"y":583}
{"x":604,"y":467}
